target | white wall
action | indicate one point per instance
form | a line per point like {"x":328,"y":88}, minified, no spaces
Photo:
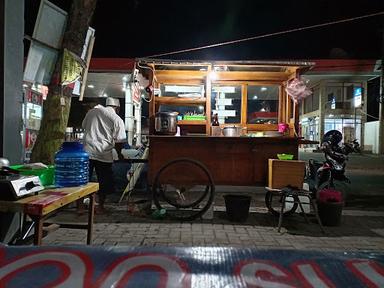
{"x":371,"y":136}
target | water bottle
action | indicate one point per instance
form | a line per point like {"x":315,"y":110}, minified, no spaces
{"x":71,"y":165}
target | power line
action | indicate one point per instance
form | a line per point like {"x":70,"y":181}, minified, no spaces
{"x":267,"y":35}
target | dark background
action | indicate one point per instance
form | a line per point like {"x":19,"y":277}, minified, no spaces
{"x":141,"y":28}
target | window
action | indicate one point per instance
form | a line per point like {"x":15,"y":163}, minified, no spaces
{"x":315,"y":98}
{"x":226,"y":102}
{"x":308,"y":104}
{"x":342,"y":96}
{"x":263,"y":104}
{"x":334,"y":96}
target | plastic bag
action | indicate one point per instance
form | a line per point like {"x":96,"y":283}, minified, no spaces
{"x":297,"y":89}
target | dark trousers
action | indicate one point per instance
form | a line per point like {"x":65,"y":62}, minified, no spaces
{"x":104,"y":175}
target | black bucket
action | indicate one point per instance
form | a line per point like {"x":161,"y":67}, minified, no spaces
{"x":330,"y":213}
{"x":237,"y":207}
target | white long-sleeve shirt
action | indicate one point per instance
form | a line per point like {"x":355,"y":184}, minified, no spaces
{"x":102,"y":129}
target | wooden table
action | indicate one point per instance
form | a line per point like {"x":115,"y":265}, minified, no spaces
{"x":41,"y":206}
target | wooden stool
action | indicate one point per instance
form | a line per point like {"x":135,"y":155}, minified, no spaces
{"x":295,"y":194}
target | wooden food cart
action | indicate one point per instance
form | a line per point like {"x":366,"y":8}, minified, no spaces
{"x":247,"y":94}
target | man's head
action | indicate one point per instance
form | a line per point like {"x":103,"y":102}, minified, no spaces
{"x":113,"y":102}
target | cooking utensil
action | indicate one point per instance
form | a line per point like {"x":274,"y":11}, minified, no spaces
{"x":4,"y":162}
{"x":232,"y":131}
{"x":14,"y":186}
{"x":166,"y":123}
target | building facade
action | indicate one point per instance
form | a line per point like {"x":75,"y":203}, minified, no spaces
{"x":339,"y":99}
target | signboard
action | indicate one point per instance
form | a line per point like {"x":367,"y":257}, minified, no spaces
{"x":135,"y":90}
{"x":32,"y":115}
{"x":49,"y":31}
{"x":40,"y":64}
{"x":357,"y":96}
{"x":88,"y":37}
{"x":224,"y":102}
{"x":50,"y":24}
{"x":71,"y":68}
{"x":89,"y":266}
{"x":225,"y":113}
{"x":224,"y":89}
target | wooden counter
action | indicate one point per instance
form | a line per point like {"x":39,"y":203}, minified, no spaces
{"x":240,"y":161}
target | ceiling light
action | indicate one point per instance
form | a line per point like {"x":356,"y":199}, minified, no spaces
{"x":91,"y":86}
{"x":105,"y":95}
{"x":263,"y":88}
{"x":25,"y":85}
{"x":254,"y":97}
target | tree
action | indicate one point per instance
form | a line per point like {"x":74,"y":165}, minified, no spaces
{"x":58,"y":103}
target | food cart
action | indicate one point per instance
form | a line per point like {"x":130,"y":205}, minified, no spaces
{"x":247,"y":95}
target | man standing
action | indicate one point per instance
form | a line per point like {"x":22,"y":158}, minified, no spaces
{"x":103,"y":131}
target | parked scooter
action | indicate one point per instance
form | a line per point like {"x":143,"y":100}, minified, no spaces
{"x":322,"y":175}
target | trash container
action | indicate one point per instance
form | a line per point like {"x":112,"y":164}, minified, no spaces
{"x":330,"y":213}
{"x":237,"y":207}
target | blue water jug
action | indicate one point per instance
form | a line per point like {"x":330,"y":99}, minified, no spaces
{"x":71,"y":165}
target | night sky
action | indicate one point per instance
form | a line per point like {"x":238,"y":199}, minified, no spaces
{"x":141,"y":28}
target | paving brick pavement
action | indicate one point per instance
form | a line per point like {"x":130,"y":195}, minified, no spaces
{"x":360,"y":231}
{"x":362,"y":226}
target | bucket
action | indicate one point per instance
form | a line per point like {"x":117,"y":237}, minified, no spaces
{"x":330,"y":213}
{"x":237,"y":207}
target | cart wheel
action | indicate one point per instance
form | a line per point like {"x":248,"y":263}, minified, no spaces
{"x":273,"y":203}
{"x":184,"y":187}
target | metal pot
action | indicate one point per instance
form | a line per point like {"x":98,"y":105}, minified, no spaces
{"x":4,"y":162}
{"x":166,"y":123}
{"x":232,"y":131}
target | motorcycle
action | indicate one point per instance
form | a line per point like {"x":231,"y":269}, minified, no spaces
{"x":320,"y":175}
{"x":327,"y":174}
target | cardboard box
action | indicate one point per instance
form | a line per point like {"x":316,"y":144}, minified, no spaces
{"x":282,"y":173}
